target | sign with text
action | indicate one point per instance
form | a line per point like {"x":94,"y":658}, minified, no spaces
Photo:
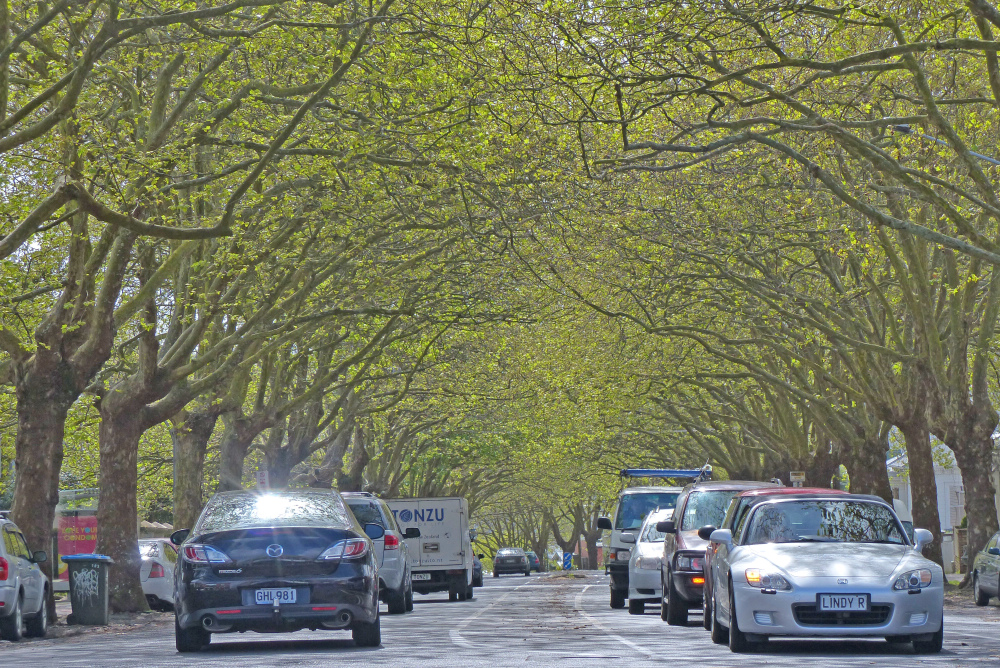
{"x":77,"y":535}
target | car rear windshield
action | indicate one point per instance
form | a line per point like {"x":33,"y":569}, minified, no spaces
{"x":633,"y":508}
{"x":149,"y":550}
{"x":706,"y":507}
{"x":509,"y":552}
{"x":825,"y":521}
{"x":293,"y":509}
{"x":367,"y":513}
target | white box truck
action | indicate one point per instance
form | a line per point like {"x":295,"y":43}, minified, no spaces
{"x":441,"y":558}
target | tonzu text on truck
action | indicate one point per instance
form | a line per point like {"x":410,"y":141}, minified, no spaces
{"x":442,"y":556}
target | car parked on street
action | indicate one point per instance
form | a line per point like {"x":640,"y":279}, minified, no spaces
{"x":276,"y":561}
{"x":737,"y":510}
{"x":24,"y":589}
{"x":395,"y":580}
{"x":682,"y":554}
{"x":510,"y":560}
{"x":644,"y":564}
{"x":533,"y":562}
{"x":828,"y":565}
{"x":159,"y":556}
{"x":986,"y":572}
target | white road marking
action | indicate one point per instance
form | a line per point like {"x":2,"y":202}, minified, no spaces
{"x":593,"y":620}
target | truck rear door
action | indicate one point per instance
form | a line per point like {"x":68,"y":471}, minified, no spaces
{"x":440,"y":521}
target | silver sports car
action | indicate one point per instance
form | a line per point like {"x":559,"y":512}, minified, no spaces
{"x":825,"y":566}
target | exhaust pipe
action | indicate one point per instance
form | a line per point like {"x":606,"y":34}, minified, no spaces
{"x":343,"y":620}
{"x":208,"y":621}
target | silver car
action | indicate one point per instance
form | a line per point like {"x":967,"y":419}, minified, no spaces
{"x":24,"y":589}
{"x":644,"y":584}
{"x":159,"y":556}
{"x":825,"y":566}
{"x":395,"y":580}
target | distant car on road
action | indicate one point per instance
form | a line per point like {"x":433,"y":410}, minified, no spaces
{"x":533,"y":561}
{"x":644,"y":564}
{"x":159,"y":556}
{"x":832,"y":566}
{"x":24,"y":589}
{"x":276,"y":561}
{"x":395,"y":581}
{"x":986,"y":572}
{"x":682,"y":570}
{"x":510,"y":560}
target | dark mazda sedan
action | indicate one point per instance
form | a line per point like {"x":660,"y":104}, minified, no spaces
{"x":275,"y":561}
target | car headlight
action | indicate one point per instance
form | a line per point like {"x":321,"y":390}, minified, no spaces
{"x":689,"y":563}
{"x":648,"y":563}
{"x":766,"y":580}
{"x":913,"y":580}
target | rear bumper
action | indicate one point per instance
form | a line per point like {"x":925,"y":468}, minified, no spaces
{"x":283,"y":618}
{"x":689,"y":589}
{"x":510,"y":568}
{"x":440,"y":581}
{"x":8,"y":596}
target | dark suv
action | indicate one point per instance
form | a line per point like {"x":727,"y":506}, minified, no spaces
{"x":276,"y":561}
{"x":682,"y":567}
{"x":510,"y":560}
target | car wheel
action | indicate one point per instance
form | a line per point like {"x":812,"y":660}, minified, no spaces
{"x":38,"y":625}
{"x":737,"y":639}
{"x":636,"y":606}
{"x":663,"y":600}
{"x":720,"y":634}
{"x":469,"y":593}
{"x":706,"y":607}
{"x":367,"y":634}
{"x":980,"y":597}
{"x":396,"y":600}
{"x":495,"y":574}
{"x":190,"y":640}
{"x":409,"y":596}
{"x":617,"y":599}
{"x":932,"y":646}
{"x":527,"y":573}
{"x":12,"y":626}
{"x":677,"y":613}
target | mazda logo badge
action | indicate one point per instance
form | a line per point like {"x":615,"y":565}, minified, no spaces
{"x":275,"y":550}
{"x":842,"y":581}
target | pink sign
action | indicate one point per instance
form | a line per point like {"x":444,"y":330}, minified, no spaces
{"x":77,"y":535}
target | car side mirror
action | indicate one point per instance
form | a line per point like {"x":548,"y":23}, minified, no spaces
{"x":374,"y":531}
{"x":39,"y":557}
{"x":481,"y":556}
{"x":604,"y":523}
{"x":179,"y":536}
{"x":921,"y":539}
{"x":995,"y":551}
{"x":666,"y":526}
{"x":722,"y":536}
{"x":705,"y":533}
{"x":473,"y":534}
{"x":628,"y":537}
{"x":412,"y":532}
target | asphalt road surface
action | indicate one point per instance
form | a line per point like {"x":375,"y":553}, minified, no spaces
{"x":512,"y":621}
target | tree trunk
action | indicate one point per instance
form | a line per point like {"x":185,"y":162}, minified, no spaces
{"x":190,"y":439}
{"x":591,"y":538}
{"x":117,"y":515}
{"x":974,"y":459}
{"x":236,"y":440}
{"x":923,"y":486}
{"x":41,"y":421}
{"x":867,"y":469}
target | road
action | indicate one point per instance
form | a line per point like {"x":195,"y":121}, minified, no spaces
{"x":512,"y":621}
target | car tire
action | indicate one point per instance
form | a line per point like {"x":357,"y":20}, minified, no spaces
{"x":663,"y":600}
{"x":495,"y":574}
{"x":469,"y":593}
{"x":720,"y":634}
{"x":738,"y":642}
{"x":190,"y":640}
{"x":617,"y":599}
{"x":452,"y":595}
{"x":932,"y":646}
{"x":677,"y":613}
{"x":409,"y":596}
{"x":978,"y":595}
{"x":38,"y":625}
{"x":527,"y":573}
{"x":12,"y":626}
{"x":396,"y":600}
{"x":706,"y":607}
{"x":367,"y":634}
{"x":636,"y":606}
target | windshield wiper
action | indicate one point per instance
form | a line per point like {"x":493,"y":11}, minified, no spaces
{"x":816,"y":539}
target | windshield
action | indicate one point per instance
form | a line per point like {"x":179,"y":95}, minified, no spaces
{"x":292,"y":509}
{"x":633,"y":508}
{"x":651,"y":535}
{"x":825,"y":521}
{"x":706,"y":508}
{"x":148,"y":550}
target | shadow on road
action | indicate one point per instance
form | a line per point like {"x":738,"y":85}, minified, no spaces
{"x":298,"y":646}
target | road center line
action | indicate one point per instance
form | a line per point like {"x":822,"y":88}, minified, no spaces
{"x":625,"y":641}
{"x":456,"y":633}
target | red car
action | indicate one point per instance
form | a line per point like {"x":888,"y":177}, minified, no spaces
{"x":738,"y":508}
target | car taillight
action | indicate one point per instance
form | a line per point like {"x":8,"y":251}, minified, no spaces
{"x":157,"y":571}
{"x":346,"y":549}
{"x":391,"y":542}
{"x":205,"y":554}
{"x":4,"y":569}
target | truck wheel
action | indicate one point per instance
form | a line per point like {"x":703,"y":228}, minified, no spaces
{"x":452,"y":596}
{"x":617,"y":599}
{"x":469,"y":593}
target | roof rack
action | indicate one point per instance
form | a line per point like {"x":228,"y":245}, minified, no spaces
{"x":704,"y":473}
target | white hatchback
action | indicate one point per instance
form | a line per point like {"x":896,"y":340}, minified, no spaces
{"x":159,"y":556}
{"x":644,"y":582}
